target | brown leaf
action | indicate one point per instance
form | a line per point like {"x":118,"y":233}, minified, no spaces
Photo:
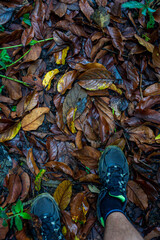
{"x":34,"y":119}
{"x":34,"y":54}
{"x":6,"y":37}
{"x":52,"y":148}
{"x":90,"y":178}
{"x":3,"y":230}
{"x":86,"y":228}
{"x":24,"y":177}
{"x":13,"y":88}
{"x":14,"y":187}
{"x":88,"y":47}
{"x":31,"y":162}
{"x":144,"y":43}
{"x":78,"y":140}
{"x":70,"y":225}
{"x":97,"y":79}
{"x":5,"y":110}
{"x":22,"y":235}
{"x":83,"y":67}
{"x":153,"y":234}
{"x":79,"y":208}
{"x":136,"y":195}
{"x":31,"y":101}
{"x":156,"y":56}
{"x":117,"y":39}
{"x":66,"y":81}
{"x":141,"y":134}
{"x":70,"y":120}
{"x":89,"y":156}
{"x":148,"y":102}
{"x":60,"y":9}
{"x":70,"y":26}
{"x":156,"y":15}
{"x":98,"y":46}
{"x":63,"y":193}
{"x":61,"y":167}
{"x":10,"y":132}
{"x":149,"y":115}
{"x":152,"y":90}
{"x":27,"y":36}
{"x":86,"y":8}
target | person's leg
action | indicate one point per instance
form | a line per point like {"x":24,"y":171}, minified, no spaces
{"x":119,"y":228}
{"x":112,"y":200}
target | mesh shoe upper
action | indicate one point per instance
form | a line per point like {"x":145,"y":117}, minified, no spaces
{"x":45,"y":207}
{"x":114,"y":174}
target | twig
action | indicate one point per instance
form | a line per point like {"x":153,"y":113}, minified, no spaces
{"x":15,"y":80}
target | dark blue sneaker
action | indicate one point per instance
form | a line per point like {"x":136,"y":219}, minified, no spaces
{"x":45,"y":207}
{"x":114,"y":175}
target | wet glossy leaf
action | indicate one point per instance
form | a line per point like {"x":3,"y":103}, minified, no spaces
{"x":136,"y":195}
{"x":60,"y":166}
{"x":27,"y":36}
{"x":5,"y":14}
{"x":97,"y":79}
{"x":79,"y":208}
{"x":34,"y":119}
{"x":34,"y":54}
{"x":31,"y":101}
{"x":31,"y":162}
{"x":48,"y":78}
{"x":60,"y":57}
{"x":117,"y":39}
{"x":147,"y":45}
{"x":10,"y":133}
{"x":63,"y":193}
{"x":25,"y":179}
{"x":86,"y":8}
{"x":66,"y":81}
{"x":152,"y":90}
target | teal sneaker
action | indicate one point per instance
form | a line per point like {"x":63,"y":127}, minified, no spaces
{"x":114,"y":175}
{"x":45,"y":207}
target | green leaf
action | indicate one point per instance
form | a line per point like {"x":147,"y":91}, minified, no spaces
{"x":3,"y":64}
{"x":18,"y":223}
{"x":144,"y":11}
{"x":11,"y":223}
{"x":14,"y":108}
{"x":25,"y":215}
{"x":5,"y":58}
{"x":13,"y":209}
{"x":38,"y":179}
{"x":33,"y":42}
{"x":26,"y":19}
{"x":19,"y":206}
{"x":151,"y":21}
{"x":133,"y":4}
{"x":151,"y":10}
{"x":2,"y":28}
{"x":158,"y":137}
{"x":5,"y":224}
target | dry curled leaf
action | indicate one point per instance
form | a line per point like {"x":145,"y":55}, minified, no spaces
{"x":34,"y":119}
{"x":63,"y":193}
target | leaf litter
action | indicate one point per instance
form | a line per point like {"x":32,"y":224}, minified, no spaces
{"x":93,"y":71}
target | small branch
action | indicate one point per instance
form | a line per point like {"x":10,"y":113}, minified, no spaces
{"x":15,"y":80}
{"x":140,"y":86}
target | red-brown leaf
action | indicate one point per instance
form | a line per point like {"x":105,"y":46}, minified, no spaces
{"x":27,"y":36}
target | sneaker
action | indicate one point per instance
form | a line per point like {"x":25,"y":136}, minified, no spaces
{"x":45,"y":207}
{"x":114,"y":175}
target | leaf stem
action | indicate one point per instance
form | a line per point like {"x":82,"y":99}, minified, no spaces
{"x":20,"y":45}
{"x":15,"y":80}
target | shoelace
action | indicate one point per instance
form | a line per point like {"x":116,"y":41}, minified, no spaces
{"x":50,"y":229}
{"x":115,"y":179}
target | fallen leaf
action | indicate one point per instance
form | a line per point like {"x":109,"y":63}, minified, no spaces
{"x":70,"y":225}
{"x":34,"y":119}
{"x":79,"y":208}
{"x":152,"y":90}
{"x":60,"y":57}
{"x":13,"y":88}
{"x":149,"y":115}
{"x":136,"y":195}
{"x":86,"y":9}
{"x":61,"y":167}
{"x":31,"y":101}
{"x":70,"y":120}
{"x":76,"y":98}
{"x":27,"y":36}
{"x":147,"y":45}
{"x":156,"y":56}
{"x":60,"y":9}
{"x":63,"y":193}
{"x":34,"y":54}
{"x":31,"y":162}
{"x":38,"y":179}
{"x":141,"y":134}
{"x":153,"y":234}
{"x":101,"y":17}
{"x":10,"y":133}
{"x":97,"y":79}
{"x":117,"y":38}
{"x":3,"y":230}
{"x":90,"y":178}
{"x":25,"y":179}
{"x":66,"y":81}
{"x":48,"y":78}
{"x":156,"y":15}
{"x":5,"y":14}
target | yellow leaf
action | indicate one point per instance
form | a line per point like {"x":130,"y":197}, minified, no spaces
{"x":10,"y":133}
{"x":144,"y":43}
{"x":158,"y":137}
{"x":60,"y":57}
{"x":38,"y":179}
{"x":48,"y":78}
{"x":64,"y":230}
{"x":76,"y":238}
{"x":63,"y":193}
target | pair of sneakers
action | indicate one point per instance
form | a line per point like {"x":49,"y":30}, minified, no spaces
{"x":113,"y":173}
